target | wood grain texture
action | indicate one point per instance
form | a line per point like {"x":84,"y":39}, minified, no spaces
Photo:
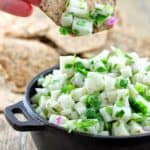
{"x":6,"y":96}
{"x":14,"y":140}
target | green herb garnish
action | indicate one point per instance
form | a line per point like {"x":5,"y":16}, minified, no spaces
{"x":65,"y":30}
{"x":67,"y":87}
{"x":121,"y":83}
{"x":119,"y":114}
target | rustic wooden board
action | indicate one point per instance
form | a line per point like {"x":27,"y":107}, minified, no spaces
{"x":13,"y":140}
{"x":6,"y":96}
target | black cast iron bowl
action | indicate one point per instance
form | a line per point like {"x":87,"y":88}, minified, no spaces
{"x":51,"y":137}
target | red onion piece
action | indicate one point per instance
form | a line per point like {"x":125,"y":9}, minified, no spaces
{"x":111,"y":21}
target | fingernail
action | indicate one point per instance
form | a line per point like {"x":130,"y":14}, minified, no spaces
{"x":35,"y":2}
{"x":17,"y":7}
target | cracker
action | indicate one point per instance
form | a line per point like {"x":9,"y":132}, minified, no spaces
{"x":124,"y":40}
{"x":22,"y":59}
{"x":36,"y":25}
{"x":77,"y":44}
{"x":55,"y":8}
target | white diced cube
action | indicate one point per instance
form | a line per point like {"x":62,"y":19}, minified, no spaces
{"x":126,"y":71}
{"x":119,"y":129}
{"x":106,"y":113}
{"x":109,"y":83}
{"x":135,"y":128}
{"x":80,"y":108}
{"x":55,"y":94}
{"x":79,"y":8}
{"x":64,"y":60}
{"x":104,"y":133}
{"x":94,"y":82}
{"x":77,"y":93}
{"x":66,"y":20}
{"x":78,"y":79}
{"x":65,"y":101}
{"x":82,"y":26}
{"x":58,"y":81}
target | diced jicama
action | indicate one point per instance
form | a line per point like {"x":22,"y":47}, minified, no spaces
{"x":121,"y":110}
{"x":126,"y":71}
{"x":55,"y":94}
{"x":57,"y":81}
{"x":78,"y":79}
{"x":105,"y":10}
{"x":109,"y":83}
{"x":135,"y":128}
{"x":80,"y":107}
{"x":65,"y":101}
{"x":106,"y":113}
{"x":132,"y":91}
{"x":78,"y":8}
{"x":104,"y":133}
{"x":94,"y":82}
{"x":120,"y":129}
{"x":67,"y":19}
{"x":82,"y":26}
{"x":45,"y":82}
{"x":77,"y":93}
{"x":65,"y":62}
{"x":140,"y":65}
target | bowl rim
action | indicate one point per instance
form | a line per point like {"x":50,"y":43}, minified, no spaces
{"x":26,"y":101}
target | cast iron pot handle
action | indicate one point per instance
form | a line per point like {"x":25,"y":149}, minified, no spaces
{"x":29,"y":125}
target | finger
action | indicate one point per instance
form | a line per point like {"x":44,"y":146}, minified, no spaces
{"x":16,"y":7}
{"x":34,"y":2}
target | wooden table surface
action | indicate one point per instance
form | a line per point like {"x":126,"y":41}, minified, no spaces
{"x":138,"y":14}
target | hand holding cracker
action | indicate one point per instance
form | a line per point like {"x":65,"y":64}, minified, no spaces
{"x":18,"y":7}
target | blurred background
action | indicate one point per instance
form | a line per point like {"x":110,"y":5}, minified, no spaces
{"x":30,"y":45}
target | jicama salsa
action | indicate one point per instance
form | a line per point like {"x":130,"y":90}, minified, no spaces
{"x":78,"y":19}
{"x":107,"y":95}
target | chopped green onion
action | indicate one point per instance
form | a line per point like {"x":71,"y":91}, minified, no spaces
{"x":138,"y":106}
{"x":93,"y":101}
{"x":119,"y":114}
{"x":99,"y":20}
{"x":121,"y":83}
{"x":120,"y":102}
{"x":64,"y":30}
{"x":67,"y":88}
{"x":79,"y":67}
{"x":91,"y":113}
{"x":85,"y":123}
{"x":141,"y":88}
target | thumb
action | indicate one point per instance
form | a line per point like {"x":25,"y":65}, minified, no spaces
{"x":16,"y":7}
{"x":34,"y":2}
